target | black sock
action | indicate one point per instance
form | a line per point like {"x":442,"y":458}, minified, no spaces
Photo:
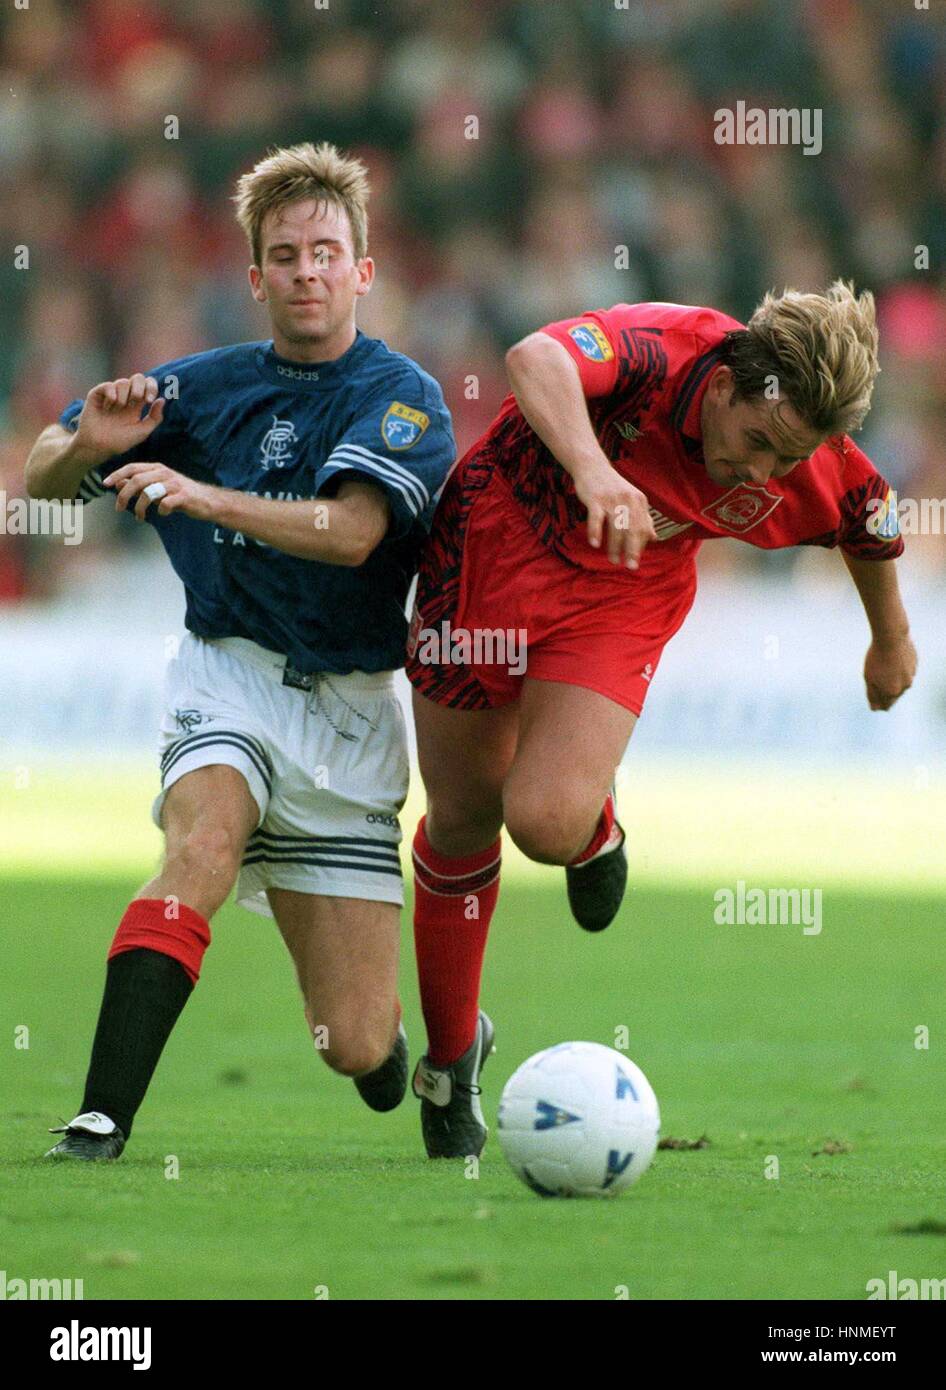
{"x":145,"y":992}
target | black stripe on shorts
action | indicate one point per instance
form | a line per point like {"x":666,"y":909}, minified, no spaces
{"x":316,"y":862}
{"x":250,"y":746}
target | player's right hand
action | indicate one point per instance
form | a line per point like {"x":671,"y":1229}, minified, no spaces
{"x":112,"y":421}
{"x":618,"y":515}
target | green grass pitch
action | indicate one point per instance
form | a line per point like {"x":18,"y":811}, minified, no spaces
{"x":769,"y":1042}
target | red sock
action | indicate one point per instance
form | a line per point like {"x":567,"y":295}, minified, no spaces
{"x":174,"y":930}
{"x":601,"y":836}
{"x":454,"y":900}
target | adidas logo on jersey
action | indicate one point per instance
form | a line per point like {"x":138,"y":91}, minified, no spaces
{"x":296,"y":373}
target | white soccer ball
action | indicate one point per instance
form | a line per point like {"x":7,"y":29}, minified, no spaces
{"x":578,"y":1120}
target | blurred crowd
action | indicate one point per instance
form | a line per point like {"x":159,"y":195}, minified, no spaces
{"x":593,"y":132}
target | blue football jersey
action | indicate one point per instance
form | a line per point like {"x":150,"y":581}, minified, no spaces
{"x":243,"y":417}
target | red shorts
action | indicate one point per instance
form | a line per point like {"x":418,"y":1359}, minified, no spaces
{"x":494,"y":604}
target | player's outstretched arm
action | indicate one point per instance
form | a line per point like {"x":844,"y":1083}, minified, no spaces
{"x":548,"y":390}
{"x":342,"y":530}
{"x":891,"y":661}
{"x":111,"y":422}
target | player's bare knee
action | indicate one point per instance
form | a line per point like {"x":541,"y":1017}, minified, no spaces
{"x":544,"y":831}
{"x":543,"y":845}
{"x":207,"y":854}
{"x":350,"y":1052}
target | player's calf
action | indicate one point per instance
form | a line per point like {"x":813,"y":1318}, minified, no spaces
{"x":345,"y":951}
{"x":156,"y":955}
{"x":153,"y":964}
{"x":592,"y":851}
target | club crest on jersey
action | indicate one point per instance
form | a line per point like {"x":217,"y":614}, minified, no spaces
{"x":402,"y":425}
{"x":277,"y":441}
{"x":742,"y":507}
{"x":591,"y":342}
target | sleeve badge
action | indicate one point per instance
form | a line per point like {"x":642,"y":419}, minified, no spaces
{"x":591,"y":342}
{"x":402,"y":425}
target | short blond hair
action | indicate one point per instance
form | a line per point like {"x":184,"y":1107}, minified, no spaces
{"x":820,"y":348}
{"x":303,"y":171}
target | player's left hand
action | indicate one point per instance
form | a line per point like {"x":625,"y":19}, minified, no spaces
{"x":181,"y":494}
{"x":889,"y":670}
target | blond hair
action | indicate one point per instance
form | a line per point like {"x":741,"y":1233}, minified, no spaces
{"x":303,"y":171}
{"x":821,"y":349}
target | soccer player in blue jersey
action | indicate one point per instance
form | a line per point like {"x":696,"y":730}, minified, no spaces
{"x":290,"y":482}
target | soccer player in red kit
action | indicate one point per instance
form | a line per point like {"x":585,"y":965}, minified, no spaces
{"x":631,"y":436}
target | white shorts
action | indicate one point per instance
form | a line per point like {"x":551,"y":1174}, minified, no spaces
{"x":327,"y":766}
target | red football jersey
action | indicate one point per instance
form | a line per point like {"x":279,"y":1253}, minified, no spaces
{"x":645,"y":369}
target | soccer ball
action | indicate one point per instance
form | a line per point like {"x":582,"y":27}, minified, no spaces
{"x":578,"y":1120}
